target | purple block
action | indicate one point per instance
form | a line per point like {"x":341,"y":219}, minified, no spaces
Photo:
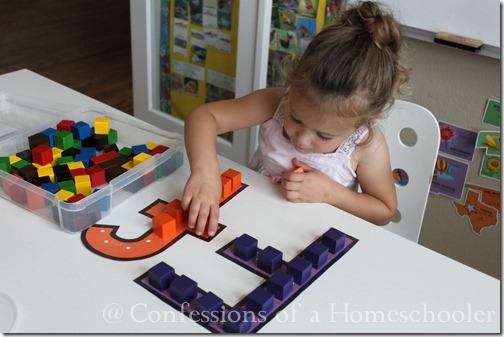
{"x":334,"y":240}
{"x":269,"y":259}
{"x":317,"y":254}
{"x":183,"y":289}
{"x":237,"y":320}
{"x":299,"y":269}
{"x":280,"y":284}
{"x":245,"y":247}
{"x":161,"y":275}
{"x":208,"y":307}
{"x":259,"y":301}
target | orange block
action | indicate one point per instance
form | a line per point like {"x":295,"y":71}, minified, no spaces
{"x":174,"y":209}
{"x":235,"y":176}
{"x":227,"y":187}
{"x":164,"y":225}
{"x":298,"y":170}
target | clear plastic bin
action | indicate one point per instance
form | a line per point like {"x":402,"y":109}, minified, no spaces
{"x":22,"y":117}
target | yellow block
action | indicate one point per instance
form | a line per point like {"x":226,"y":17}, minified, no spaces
{"x":76,"y":165}
{"x":141,"y":157}
{"x":102,"y":126}
{"x":38,"y":166}
{"x":64,"y":195}
{"x":13,"y":159}
{"x":151,"y":145}
{"x":46,"y":171}
{"x":56,"y":155}
{"x":128,"y":165}
{"x":83,"y":185}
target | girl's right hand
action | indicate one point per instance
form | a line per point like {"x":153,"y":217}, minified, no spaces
{"x":201,"y":199}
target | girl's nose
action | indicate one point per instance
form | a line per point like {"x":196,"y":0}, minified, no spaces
{"x":303,"y":138}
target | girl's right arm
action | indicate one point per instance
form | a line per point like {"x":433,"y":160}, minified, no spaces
{"x":203,"y":189}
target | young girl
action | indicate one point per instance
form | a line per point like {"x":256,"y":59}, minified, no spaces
{"x":323,"y":122}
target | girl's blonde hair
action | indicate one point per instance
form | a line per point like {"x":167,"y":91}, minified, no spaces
{"x":354,"y":62}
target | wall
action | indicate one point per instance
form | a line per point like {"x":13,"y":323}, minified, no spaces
{"x":455,"y":85}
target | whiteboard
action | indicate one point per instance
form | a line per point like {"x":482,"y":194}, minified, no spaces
{"x":477,"y":19}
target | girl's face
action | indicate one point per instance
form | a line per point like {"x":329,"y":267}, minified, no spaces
{"x":314,"y":128}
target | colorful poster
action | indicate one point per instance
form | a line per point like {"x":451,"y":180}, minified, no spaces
{"x":457,"y":141}
{"x":449,"y":177}
{"x":480,"y":207}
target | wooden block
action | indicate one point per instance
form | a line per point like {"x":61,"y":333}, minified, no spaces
{"x":174,"y":209}
{"x":164,"y":225}
{"x":235,"y":176}
{"x":227,"y":187}
{"x":83,"y":185}
{"x":102,"y":126}
{"x":35,"y":200}
{"x":139,"y":158}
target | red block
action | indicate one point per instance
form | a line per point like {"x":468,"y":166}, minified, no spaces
{"x":42,"y":154}
{"x":75,"y":198}
{"x":18,"y":194}
{"x":65,"y":125}
{"x":174,"y":209}
{"x":158,"y":149}
{"x":97,"y":174}
{"x":35,"y":200}
{"x":78,"y":172}
{"x":104,"y":157}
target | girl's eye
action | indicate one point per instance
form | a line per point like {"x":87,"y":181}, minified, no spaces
{"x":295,"y":120}
{"x":323,"y":137}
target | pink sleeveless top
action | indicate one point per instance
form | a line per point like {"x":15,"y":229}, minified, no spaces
{"x":275,"y":154}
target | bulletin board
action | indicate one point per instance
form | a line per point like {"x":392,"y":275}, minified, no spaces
{"x":198,"y":49}
{"x":294,"y":23}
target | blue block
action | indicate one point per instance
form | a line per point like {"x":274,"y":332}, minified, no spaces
{"x":208,"y":307}
{"x":49,"y":132}
{"x":299,"y":269}
{"x":81,"y":130}
{"x":236,"y":320}
{"x":317,"y":254}
{"x":334,"y":240}
{"x":245,"y":247}
{"x":183,"y":289}
{"x":139,"y":149}
{"x":51,"y":187}
{"x":260,"y":301}
{"x":83,"y":157}
{"x":280,"y":284}
{"x":161,"y":275}
{"x":269,"y":259}
{"x":91,"y":151}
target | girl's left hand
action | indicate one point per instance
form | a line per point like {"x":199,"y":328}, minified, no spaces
{"x":310,"y":186}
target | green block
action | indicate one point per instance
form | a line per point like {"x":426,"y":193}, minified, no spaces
{"x":63,"y":140}
{"x":65,"y":160}
{"x":5,"y":164}
{"x":126,"y":152}
{"x":20,"y":164}
{"x":68,"y":185}
{"x":112,"y":136}
{"x":77,"y":144}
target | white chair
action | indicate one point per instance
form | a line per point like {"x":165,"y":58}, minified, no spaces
{"x":412,"y":134}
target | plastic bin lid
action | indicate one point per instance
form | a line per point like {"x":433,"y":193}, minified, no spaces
{"x":20,"y":114}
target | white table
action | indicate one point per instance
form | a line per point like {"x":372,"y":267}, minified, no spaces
{"x":383,"y":284}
